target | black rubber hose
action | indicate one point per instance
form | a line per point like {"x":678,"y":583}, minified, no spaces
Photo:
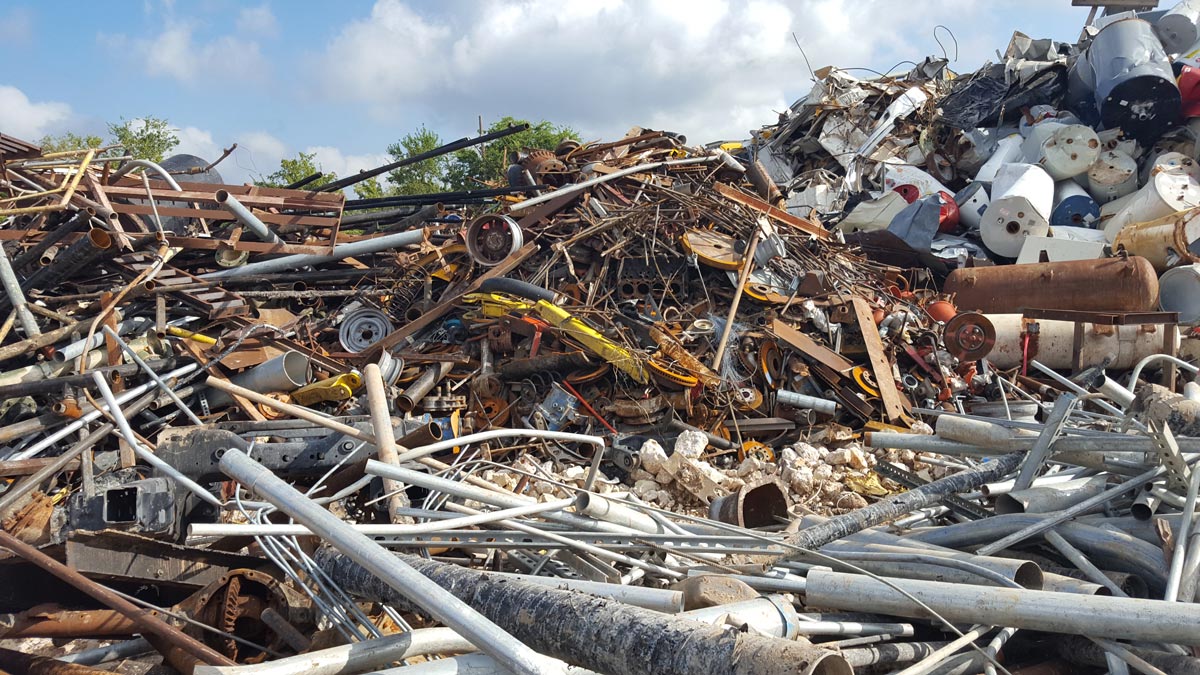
{"x":516,"y":287}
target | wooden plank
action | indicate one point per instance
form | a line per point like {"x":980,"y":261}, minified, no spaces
{"x":811,"y":348}
{"x":893,"y":403}
{"x":750,"y":201}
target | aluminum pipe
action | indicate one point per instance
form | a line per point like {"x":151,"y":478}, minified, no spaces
{"x":433,"y":599}
{"x":340,"y":252}
{"x":287,"y":372}
{"x":246,"y":217}
{"x":354,"y":658}
{"x":1094,"y":615}
{"x":821,"y":405}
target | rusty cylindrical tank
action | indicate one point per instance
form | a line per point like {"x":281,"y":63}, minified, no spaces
{"x":1127,"y":284}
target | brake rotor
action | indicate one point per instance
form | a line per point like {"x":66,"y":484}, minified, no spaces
{"x":496,"y":410}
{"x":865,"y":380}
{"x":757,"y":450}
{"x":969,"y":336}
{"x":491,"y":238}
{"x":770,"y":363}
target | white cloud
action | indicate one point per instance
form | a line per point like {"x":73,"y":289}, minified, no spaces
{"x":257,"y":20}
{"x":175,"y":53}
{"x":333,"y":160}
{"x":29,"y":120}
{"x":709,"y":68}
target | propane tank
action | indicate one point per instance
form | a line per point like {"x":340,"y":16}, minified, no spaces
{"x":1104,"y":285}
{"x":1163,"y":241}
{"x":1112,"y":176}
{"x":1054,"y":343}
{"x":1022,"y":198}
{"x":1073,"y":207}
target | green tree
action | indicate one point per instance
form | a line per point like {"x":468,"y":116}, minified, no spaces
{"x":69,"y":141}
{"x":146,"y":138}
{"x":473,"y":168}
{"x":423,"y":177}
{"x":370,"y":189}
{"x":293,"y":170}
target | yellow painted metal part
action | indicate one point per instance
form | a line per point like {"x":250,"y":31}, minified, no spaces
{"x":337,"y":388}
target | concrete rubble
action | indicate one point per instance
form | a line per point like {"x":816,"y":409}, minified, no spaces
{"x":904,"y":382}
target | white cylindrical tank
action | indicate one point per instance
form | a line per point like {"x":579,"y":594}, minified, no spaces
{"x":1062,"y":150}
{"x":1022,"y":198}
{"x":1177,"y":29}
{"x":1055,"y":347}
{"x":1008,"y":150}
{"x":1165,"y":193}
{"x":1112,"y":176}
{"x":972,"y":202}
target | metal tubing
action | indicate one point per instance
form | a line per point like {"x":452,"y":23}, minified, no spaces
{"x":416,"y":391}
{"x":287,"y":372}
{"x":1082,"y":507}
{"x":891,"y":507}
{"x":933,"y":661}
{"x":12,"y":288}
{"x":821,"y":405}
{"x":371,"y":529}
{"x":297,"y":411}
{"x":493,"y":497}
{"x":900,"y":652}
{"x":166,"y":388}
{"x":596,"y":633}
{"x":1185,"y":526}
{"x":1136,"y":373}
{"x":57,"y":232}
{"x":1081,"y":561}
{"x":119,"y":650}
{"x":433,"y":599}
{"x":340,"y":252}
{"x":770,"y":615}
{"x":1095,"y":615}
{"x":354,"y":658}
{"x":610,"y":511}
{"x":147,"y":621}
{"x":246,"y":217}
{"x":1053,"y":497}
{"x":66,"y":430}
{"x":1053,"y":374}
{"x":492,"y":434}
{"x":1041,"y":447}
{"x":658,"y":599}
{"x":583,"y":185}
{"x":149,"y":166}
{"x":385,"y":437}
{"x":114,"y":409}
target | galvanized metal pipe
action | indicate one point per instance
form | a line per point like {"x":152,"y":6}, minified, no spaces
{"x":1041,"y":447}
{"x":246,"y":217}
{"x":149,"y":166}
{"x":166,"y":388}
{"x":114,"y":409}
{"x":357,"y":657}
{"x":796,"y":400}
{"x":1081,"y":561}
{"x":340,"y":252}
{"x":583,"y":185}
{"x":1185,"y":525}
{"x":373,"y":529}
{"x":1095,"y":615}
{"x":494,"y":434}
{"x":66,"y":430}
{"x":433,"y":599}
{"x":12,"y":288}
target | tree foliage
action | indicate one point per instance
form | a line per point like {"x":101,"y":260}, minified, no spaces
{"x":470,"y":168}
{"x":145,"y":138}
{"x":294,"y":170}
{"x":423,"y":177}
{"x":69,"y":141}
{"x":484,"y":165}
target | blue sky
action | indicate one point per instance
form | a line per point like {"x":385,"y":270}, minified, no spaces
{"x":345,"y":79}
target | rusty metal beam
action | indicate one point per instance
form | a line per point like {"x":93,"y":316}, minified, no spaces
{"x":146,"y":620}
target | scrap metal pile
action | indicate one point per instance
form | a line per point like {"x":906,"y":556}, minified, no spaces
{"x":893,"y":386}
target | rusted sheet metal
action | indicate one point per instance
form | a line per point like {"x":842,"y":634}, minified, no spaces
{"x":57,"y":622}
{"x":1107,"y":284}
{"x":772,"y":212}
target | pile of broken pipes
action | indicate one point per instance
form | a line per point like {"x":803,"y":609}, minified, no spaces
{"x":893,"y":386}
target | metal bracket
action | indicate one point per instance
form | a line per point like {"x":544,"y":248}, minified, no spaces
{"x":1169,"y":456}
